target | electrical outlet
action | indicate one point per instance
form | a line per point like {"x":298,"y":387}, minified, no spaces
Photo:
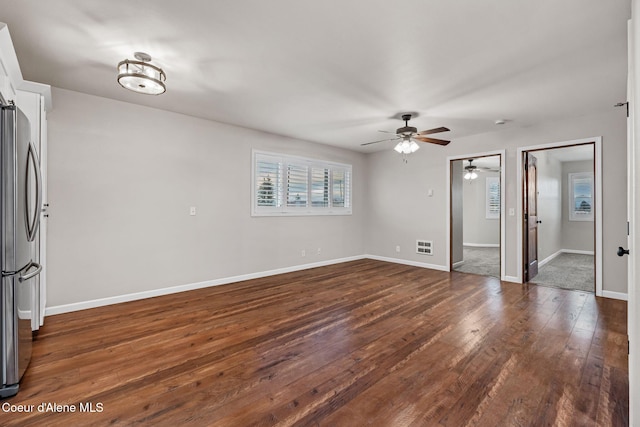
{"x":319,"y":250}
{"x":192,"y":210}
{"x":303,"y":253}
{"x":398,"y":249}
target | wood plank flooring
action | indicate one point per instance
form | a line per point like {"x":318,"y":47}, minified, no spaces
{"x":353,"y":344}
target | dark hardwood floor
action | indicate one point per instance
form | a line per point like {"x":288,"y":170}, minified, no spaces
{"x":353,"y":344}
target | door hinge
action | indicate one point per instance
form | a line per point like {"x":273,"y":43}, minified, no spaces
{"x":620,"y":104}
{"x":628,"y":228}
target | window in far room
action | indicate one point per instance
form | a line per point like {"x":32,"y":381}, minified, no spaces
{"x":581,"y":196}
{"x":493,"y":198}
{"x":286,"y":185}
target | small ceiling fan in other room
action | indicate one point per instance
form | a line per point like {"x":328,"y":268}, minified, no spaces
{"x":471,"y":170}
{"x":408,"y":136}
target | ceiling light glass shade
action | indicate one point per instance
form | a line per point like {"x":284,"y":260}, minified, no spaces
{"x":141,"y":77}
{"x":470,"y":175}
{"x":406,"y":146}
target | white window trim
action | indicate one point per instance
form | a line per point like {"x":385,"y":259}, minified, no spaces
{"x":282,"y":209}
{"x":572,"y":213}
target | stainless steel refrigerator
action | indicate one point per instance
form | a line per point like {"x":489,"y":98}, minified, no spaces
{"x":20,"y":204}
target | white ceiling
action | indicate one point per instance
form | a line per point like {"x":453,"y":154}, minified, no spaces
{"x":337,"y":71}
{"x":571,"y":154}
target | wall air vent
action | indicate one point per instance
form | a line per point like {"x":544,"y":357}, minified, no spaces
{"x":424,"y":247}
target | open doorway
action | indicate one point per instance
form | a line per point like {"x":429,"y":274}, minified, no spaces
{"x":476,"y":214}
{"x":559,"y":211}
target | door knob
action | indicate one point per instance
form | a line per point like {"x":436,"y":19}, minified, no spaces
{"x":622,"y":251}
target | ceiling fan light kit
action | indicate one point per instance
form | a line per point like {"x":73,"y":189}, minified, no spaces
{"x":409,"y":137}
{"x":470,"y":175}
{"x":407,"y":146}
{"x":141,"y":76}
{"x":471,"y":171}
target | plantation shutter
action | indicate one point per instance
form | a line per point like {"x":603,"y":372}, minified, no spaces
{"x":493,"y":198}
{"x":268,"y":175}
{"x":340,"y":188}
{"x":290,"y":185}
{"x":319,"y":187}
{"x":297,"y":185}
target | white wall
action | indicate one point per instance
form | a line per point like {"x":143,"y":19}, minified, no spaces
{"x":478,"y":230}
{"x":400,"y":210}
{"x":550,"y":192}
{"x":122,"y":178}
{"x":576,"y":235}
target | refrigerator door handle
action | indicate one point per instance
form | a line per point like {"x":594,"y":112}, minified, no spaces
{"x":34,"y":273}
{"x":32,"y":226}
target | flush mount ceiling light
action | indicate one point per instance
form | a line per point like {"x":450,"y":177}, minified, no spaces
{"x":141,"y":76}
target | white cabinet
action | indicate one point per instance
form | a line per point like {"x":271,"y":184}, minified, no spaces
{"x":10,"y":75}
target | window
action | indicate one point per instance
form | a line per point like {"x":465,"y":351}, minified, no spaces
{"x":286,"y":185}
{"x":581,"y":196}
{"x":493,"y":198}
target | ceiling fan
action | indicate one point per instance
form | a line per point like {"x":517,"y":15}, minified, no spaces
{"x":471,"y":170}
{"x":408,"y":135}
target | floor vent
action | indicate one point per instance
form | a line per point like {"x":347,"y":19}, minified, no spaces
{"x":424,"y":247}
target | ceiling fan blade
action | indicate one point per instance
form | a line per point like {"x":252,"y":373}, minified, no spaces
{"x":431,"y":140}
{"x":434,"y":130}
{"x":382,"y":140}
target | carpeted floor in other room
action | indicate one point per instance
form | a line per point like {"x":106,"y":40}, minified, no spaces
{"x":480,"y":260}
{"x":568,"y":271}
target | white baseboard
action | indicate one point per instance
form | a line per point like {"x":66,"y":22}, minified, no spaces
{"x":564,"y":251}
{"x":615,"y":295}
{"x":408,"y":262}
{"x":458,"y":264}
{"x":576,"y":251}
{"x":549,"y":258}
{"x":66,"y":308}
{"x":482,"y":245}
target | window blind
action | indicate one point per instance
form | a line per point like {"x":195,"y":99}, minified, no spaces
{"x":297,"y":185}
{"x":268,"y":182}
{"x":493,"y":197}
{"x":285,"y":185}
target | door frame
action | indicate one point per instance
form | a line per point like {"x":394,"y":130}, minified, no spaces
{"x":531,"y":163}
{"x":597,"y":141}
{"x":633,"y":212}
{"x":450,"y":159}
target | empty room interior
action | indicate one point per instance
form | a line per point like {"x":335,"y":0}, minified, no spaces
{"x":333,"y":213}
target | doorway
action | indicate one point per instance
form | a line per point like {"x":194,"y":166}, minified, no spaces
{"x":559,"y":216}
{"x":476,"y":214}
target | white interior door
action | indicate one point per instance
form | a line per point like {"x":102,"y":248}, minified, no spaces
{"x":44,"y":216}
{"x":633,"y":203}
